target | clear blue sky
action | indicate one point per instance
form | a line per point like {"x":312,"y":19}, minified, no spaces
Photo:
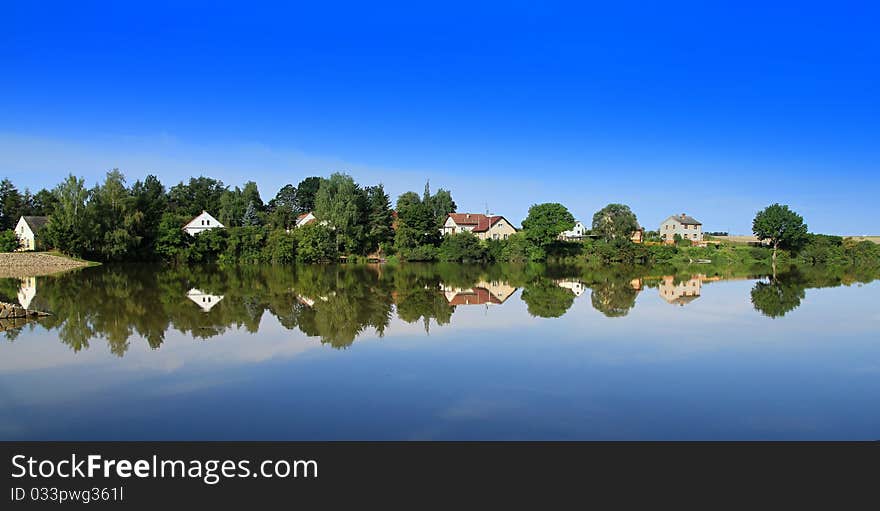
{"x":715,"y":111}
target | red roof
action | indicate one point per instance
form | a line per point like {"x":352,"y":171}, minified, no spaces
{"x":477,"y":296}
{"x":481,"y":222}
{"x":300,"y":217}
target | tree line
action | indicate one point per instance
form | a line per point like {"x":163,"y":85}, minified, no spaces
{"x":113,"y":221}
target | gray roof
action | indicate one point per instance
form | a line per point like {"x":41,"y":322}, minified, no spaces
{"x":685,"y":219}
{"x":36,"y":222}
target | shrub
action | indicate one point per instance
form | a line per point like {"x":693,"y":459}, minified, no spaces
{"x":280,"y":247}
{"x":315,"y":243}
{"x":9,"y":242}
{"x":419,"y":253}
{"x":461,"y":247}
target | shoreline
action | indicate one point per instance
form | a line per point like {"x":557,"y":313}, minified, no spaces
{"x":37,"y":264}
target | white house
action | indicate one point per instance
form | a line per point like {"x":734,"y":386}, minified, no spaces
{"x":484,"y":227}
{"x":202,"y":299}
{"x":575,"y":286}
{"x":305,"y":219}
{"x":28,"y":231}
{"x":685,"y":226}
{"x":579,"y":231}
{"x":202,"y":222}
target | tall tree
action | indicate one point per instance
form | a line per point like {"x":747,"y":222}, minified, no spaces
{"x":118,"y":221}
{"x":71,"y":228}
{"x":199,"y":194}
{"x":251,"y":194}
{"x":545,"y":222}
{"x":232,"y":207}
{"x":150,"y":198}
{"x":615,"y":222}
{"x":342,"y":204}
{"x":306,"y":191}
{"x":416,"y":224}
{"x":44,"y":203}
{"x":283,"y":209}
{"x":781,"y":226}
{"x":10,"y":205}
{"x":380,"y":219}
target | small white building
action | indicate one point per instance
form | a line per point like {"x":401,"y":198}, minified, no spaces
{"x":28,"y":231}
{"x":202,"y":299}
{"x":305,"y":219}
{"x":685,"y":226}
{"x":578,"y":232}
{"x":201,"y":223}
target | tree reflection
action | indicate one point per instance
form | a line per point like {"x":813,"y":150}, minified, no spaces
{"x":778,"y":296}
{"x":335,"y":303}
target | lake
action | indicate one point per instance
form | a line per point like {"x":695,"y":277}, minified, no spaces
{"x":143,"y":352}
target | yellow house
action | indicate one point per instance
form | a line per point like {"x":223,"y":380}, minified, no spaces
{"x":484,"y":227}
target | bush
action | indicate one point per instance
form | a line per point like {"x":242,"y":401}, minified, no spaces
{"x":280,"y":247}
{"x":244,"y":244}
{"x":419,"y":253}
{"x":461,"y":247}
{"x":9,"y":242}
{"x":314,"y":244}
{"x":759,"y":254}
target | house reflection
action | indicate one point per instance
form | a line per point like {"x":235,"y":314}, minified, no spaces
{"x":483,"y":293}
{"x":204,"y":300}
{"x":27,"y":291}
{"x":575,"y":286}
{"x":682,"y":292}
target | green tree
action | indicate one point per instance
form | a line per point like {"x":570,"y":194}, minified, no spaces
{"x":379,"y":231}
{"x":416,"y":228}
{"x":545,"y":299}
{"x":9,"y":241}
{"x":615,"y":221}
{"x":232,"y":208}
{"x":781,"y":226}
{"x":306,"y":191}
{"x":250,"y":217}
{"x":777,"y":297}
{"x":10,"y":205}
{"x":150,"y":199}
{"x":545,"y":222}
{"x":44,"y":203}
{"x":283,"y":208}
{"x":342,"y":204}
{"x":118,"y":221}
{"x":199,"y":194}
{"x":315,"y":244}
{"x":461,"y":247}
{"x":280,"y":247}
{"x":71,"y":229}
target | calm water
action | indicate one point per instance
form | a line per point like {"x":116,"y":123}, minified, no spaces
{"x":440,"y":352}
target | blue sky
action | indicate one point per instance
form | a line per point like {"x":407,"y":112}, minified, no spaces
{"x":715,"y":111}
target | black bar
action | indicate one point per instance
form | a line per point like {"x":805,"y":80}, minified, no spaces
{"x":422,"y":473}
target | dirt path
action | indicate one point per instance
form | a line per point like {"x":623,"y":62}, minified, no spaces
{"x":32,"y":264}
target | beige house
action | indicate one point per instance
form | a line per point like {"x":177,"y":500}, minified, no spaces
{"x":484,"y":227}
{"x":201,"y":223}
{"x":305,"y":219}
{"x":685,"y":226}
{"x":28,"y":231}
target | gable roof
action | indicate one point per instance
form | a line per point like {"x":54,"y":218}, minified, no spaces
{"x":481,"y":223}
{"x":200,"y":215}
{"x":684,"y":219}
{"x":35,"y":223}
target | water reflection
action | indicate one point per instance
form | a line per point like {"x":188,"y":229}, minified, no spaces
{"x":339,"y":303}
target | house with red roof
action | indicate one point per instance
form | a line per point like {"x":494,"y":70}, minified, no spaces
{"x":485,"y":227}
